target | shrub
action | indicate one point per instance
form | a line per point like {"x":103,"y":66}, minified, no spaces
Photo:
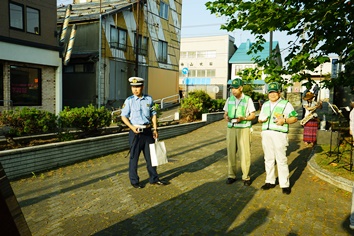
{"x":194,"y":105}
{"x":28,"y":121}
{"x":88,"y":119}
{"x":158,"y":110}
{"x":217,"y":105}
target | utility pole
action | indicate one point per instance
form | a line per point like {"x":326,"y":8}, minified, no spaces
{"x":137,"y":38}
{"x":270,"y":43}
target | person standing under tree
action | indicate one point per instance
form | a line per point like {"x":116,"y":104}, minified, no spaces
{"x":139,"y":115}
{"x":275,"y":116}
{"x":239,"y":113}
{"x":311,"y":124}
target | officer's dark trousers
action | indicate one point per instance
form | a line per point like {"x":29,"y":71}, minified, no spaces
{"x":140,"y":142}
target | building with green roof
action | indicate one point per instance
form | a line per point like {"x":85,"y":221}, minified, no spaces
{"x":240,"y":60}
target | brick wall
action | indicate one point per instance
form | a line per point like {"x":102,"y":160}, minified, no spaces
{"x":48,"y":86}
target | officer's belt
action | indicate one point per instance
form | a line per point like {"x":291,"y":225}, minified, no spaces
{"x":143,"y":126}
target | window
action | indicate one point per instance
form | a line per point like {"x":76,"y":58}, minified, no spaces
{"x":118,"y":38}
{"x":32,"y":20}
{"x":210,"y":54}
{"x":210,"y":73}
{"x":163,"y":10}
{"x":192,"y":73}
{"x":192,"y":54}
{"x":162,"y":51}
{"x":183,"y":54}
{"x":16,"y":16}
{"x":201,"y":73}
{"x":25,"y":86}
{"x":142,"y":45}
{"x":238,"y":68}
{"x":79,"y":68}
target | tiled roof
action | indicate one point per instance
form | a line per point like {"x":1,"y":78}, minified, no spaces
{"x":91,"y":11}
{"x":241,"y":56}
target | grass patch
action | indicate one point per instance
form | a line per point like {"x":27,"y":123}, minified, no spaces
{"x":335,"y":159}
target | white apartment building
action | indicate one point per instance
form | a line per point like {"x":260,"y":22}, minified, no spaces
{"x":204,"y":64}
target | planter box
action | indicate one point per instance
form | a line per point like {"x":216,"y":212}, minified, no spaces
{"x":25,"y":161}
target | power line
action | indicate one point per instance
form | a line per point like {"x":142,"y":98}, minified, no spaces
{"x":194,"y":26}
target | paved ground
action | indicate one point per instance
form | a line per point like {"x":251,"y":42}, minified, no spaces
{"x":95,"y":197}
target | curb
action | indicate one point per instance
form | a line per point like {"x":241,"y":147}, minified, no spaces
{"x":325,"y":175}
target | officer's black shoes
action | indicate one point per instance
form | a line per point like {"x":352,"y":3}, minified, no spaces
{"x":247,"y":182}
{"x":230,"y":181}
{"x":267,"y":186}
{"x":286,"y":191}
{"x":138,"y":185}
{"x":159,"y":182}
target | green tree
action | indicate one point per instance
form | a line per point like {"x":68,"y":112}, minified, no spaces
{"x":321,"y":28}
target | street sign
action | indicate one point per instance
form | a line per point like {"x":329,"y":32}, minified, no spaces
{"x":334,"y":68}
{"x":185,"y":70}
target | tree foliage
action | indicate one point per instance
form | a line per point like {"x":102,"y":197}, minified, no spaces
{"x":320,"y":27}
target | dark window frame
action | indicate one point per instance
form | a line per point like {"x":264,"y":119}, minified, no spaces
{"x":11,"y":19}
{"x":162,"y":51}
{"x":164,"y":9}
{"x":25,"y":88}
{"x":142,"y":51}
{"x":38,"y":32}
{"x":118,"y":44}
{"x":87,"y":68}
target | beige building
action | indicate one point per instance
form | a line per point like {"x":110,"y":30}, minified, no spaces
{"x":204,"y":64}
{"x":30,"y":65}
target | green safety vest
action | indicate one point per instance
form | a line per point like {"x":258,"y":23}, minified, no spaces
{"x":270,"y":124}
{"x":234,"y":112}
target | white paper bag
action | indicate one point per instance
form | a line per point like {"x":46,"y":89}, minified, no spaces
{"x":158,"y":153}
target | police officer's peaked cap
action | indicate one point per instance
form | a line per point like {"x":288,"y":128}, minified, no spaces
{"x":236,"y":83}
{"x":273,"y":87}
{"x":136,"y":81}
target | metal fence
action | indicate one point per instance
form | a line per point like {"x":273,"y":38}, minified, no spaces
{"x":215,"y":91}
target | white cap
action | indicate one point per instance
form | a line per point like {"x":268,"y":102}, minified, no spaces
{"x":136,"y":81}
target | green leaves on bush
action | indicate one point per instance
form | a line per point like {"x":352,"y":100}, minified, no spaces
{"x":217,"y":105}
{"x":28,"y":121}
{"x":88,"y":119}
{"x":197,"y":103}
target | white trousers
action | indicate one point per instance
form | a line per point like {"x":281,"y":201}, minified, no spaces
{"x":274,"y":147}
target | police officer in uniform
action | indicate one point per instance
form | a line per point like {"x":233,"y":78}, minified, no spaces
{"x":275,"y":116}
{"x":139,"y":115}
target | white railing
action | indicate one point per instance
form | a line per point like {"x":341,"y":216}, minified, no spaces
{"x":163,"y":101}
{"x":170,"y":99}
{"x":115,"y":111}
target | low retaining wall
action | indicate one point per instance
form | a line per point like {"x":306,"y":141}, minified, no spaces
{"x":26,"y":161}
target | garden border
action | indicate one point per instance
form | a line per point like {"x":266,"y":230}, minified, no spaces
{"x":27,"y":161}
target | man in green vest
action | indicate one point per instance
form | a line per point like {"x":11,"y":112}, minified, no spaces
{"x":239,"y":113}
{"x":275,"y":116}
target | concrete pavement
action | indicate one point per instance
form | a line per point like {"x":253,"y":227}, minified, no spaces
{"x":95,"y":197}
